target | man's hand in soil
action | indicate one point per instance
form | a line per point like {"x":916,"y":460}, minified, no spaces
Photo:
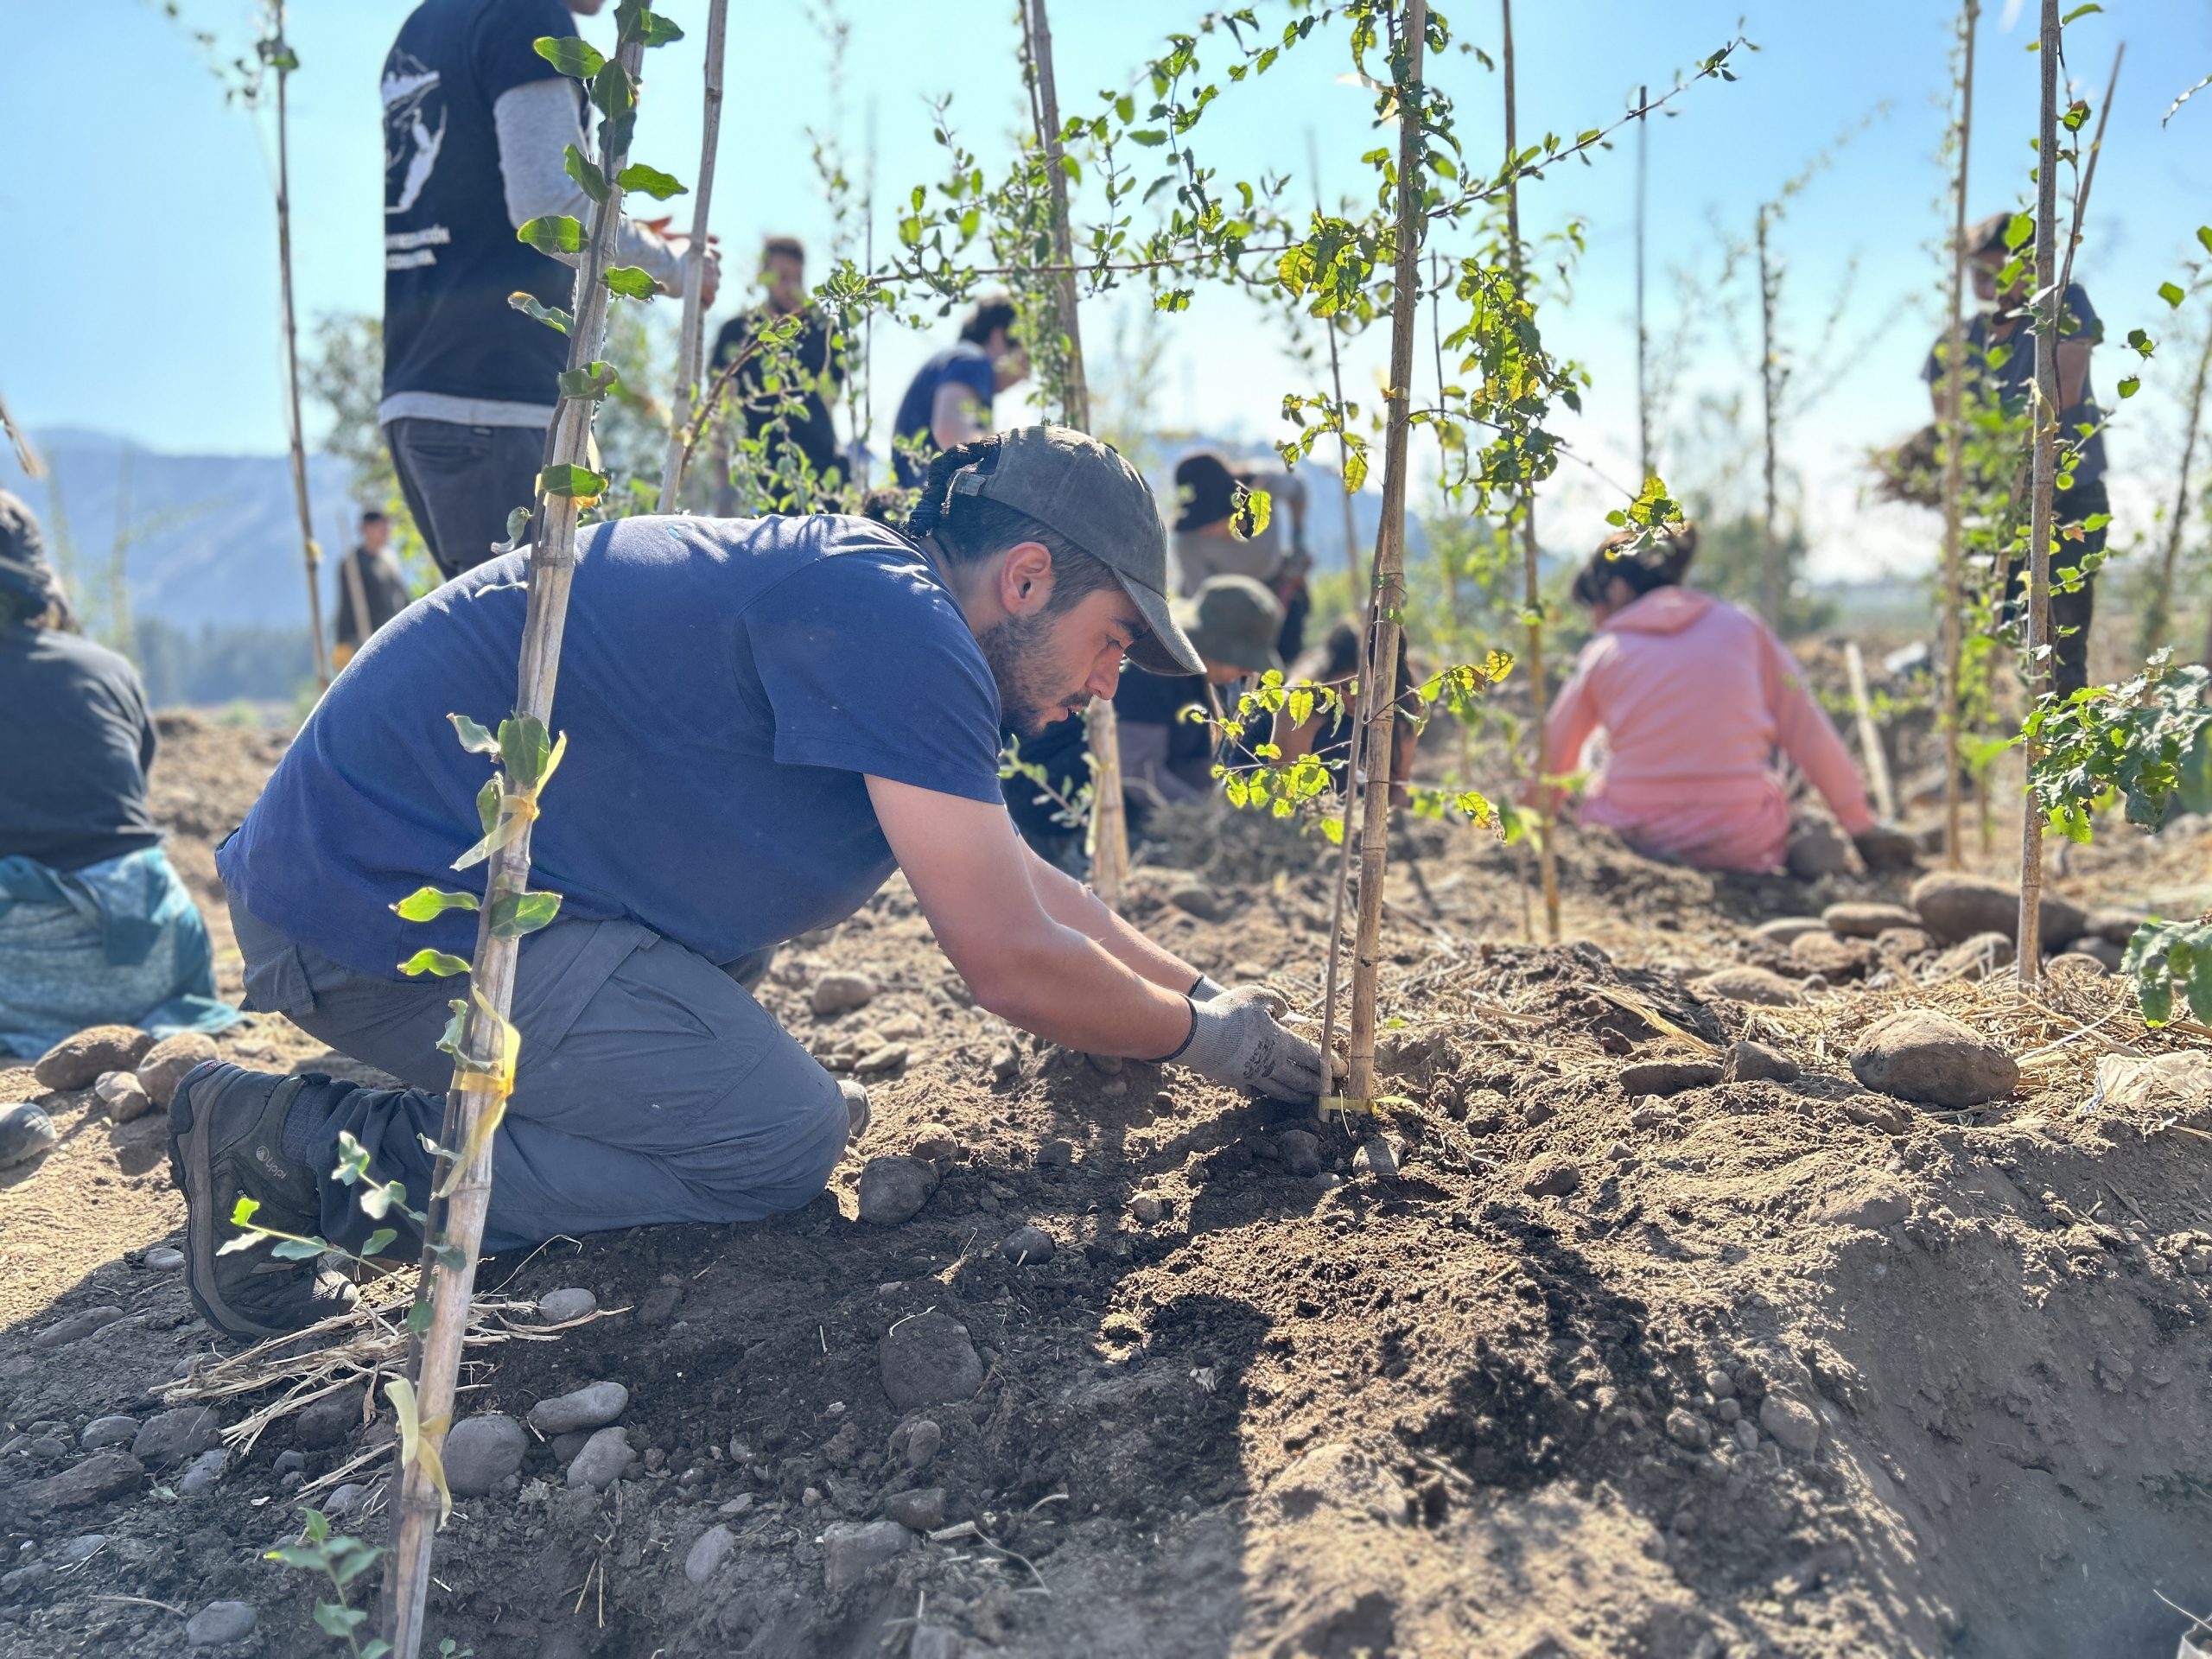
{"x":1238,"y":1038}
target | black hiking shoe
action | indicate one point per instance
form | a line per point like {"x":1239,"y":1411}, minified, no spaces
{"x":226,"y":1141}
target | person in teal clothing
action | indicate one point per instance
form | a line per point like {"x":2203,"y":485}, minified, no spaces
{"x":95,"y":927}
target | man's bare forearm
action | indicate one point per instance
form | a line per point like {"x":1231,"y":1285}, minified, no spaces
{"x":1071,"y":904}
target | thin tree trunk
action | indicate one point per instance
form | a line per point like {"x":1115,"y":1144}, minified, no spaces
{"x":1532,"y":572}
{"x":2159,"y":611}
{"x":448,"y":1274}
{"x":1642,"y":385}
{"x":1109,"y":826}
{"x":1772,"y":590}
{"x":312,"y":552}
{"x":2046,"y":469}
{"x":1378,"y":693}
{"x":1954,"y":371}
{"x":690,"y":338}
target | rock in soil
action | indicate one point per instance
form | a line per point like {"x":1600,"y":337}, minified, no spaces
{"x":172,"y":1436}
{"x":1379,"y":1154}
{"x":26,"y":1131}
{"x":922,"y":1508}
{"x":125,"y":1097}
{"x":2078,"y":962}
{"x":1833,"y":958}
{"x":1923,"y":1056}
{"x":1753,"y":985}
{"x":934,"y":1641}
{"x":593,"y":1406}
{"x":1782,"y":931}
{"x":1750,"y":1062}
{"x":1550,"y":1175}
{"x":894,"y":1188}
{"x":164,"y":1258}
{"x":77,"y":1327}
{"x":712,"y":1550}
{"x":1954,"y":906}
{"x":573,"y":1302}
{"x":923,"y":1437}
{"x":482,"y":1451}
{"x":1902,"y":943}
{"x":104,"y":1432}
{"x":1792,"y":1422}
{"x":2097,"y":950}
{"x":851,"y":1550}
{"x":928,"y":1361}
{"x":219,"y":1624}
{"x":1858,"y":920}
{"x":203,"y":1471}
{"x":167,"y":1061}
{"x":1301,"y":1152}
{"x":935,"y":1144}
{"x":1194,"y":899}
{"x":1028,"y":1245}
{"x":606,"y":1457}
{"x":889,"y":1057}
{"x":328,"y":1420}
{"x":105,"y":1474}
{"x":76,"y":1062}
{"x":836,"y":993}
{"x":1667,"y":1076}
{"x":1975,"y":958}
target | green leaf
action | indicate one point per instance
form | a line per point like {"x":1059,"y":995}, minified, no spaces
{"x":425,"y":903}
{"x":632,"y":281}
{"x":655,"y":183}
{"x":487,"y":805}
{"x":243,"y":1211}
{"x":2079,"y":11}
{"x":514,"y":914}
{"x":433,"y":962}
{"x":594,"y":380}
{"x":379,"y":1241}
{"x":2204,"y":236}
{"x":2017,"y":230}
{"x":307,"y":1557}
{"x":524,"y":749}
{"x":551,"y":315}
{"x":635,"y":21}
{"x":552,"y":233}
{"x":376,"y":1649}
{"x":297,"y":1249}
{"x":569,"y":478}
{"x":335,"y":1618}
{"x":418,"y":1316}
{"x":2170,"y":293}
{"x":585,"y":171}
{"x":572,"y":55}
{"x":1150,"y":137}
{"x":2130,"y":386}
{"x":473,"y":737}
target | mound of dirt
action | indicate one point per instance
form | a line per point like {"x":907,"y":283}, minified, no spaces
{"x":1536,"y":1365}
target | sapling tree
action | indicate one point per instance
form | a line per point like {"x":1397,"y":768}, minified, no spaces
{"x":1952,"y":433}
{"x":695,"y":257}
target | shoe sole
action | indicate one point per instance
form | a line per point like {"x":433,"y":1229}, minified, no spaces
{"x":190,"y":1168}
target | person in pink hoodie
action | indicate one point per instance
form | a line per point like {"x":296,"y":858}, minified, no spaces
{"x":1694,"y":698}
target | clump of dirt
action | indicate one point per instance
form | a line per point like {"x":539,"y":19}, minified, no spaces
{"x":1536,"y":1363}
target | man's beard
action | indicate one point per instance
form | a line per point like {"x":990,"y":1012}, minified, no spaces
{"x":1018,"y":651}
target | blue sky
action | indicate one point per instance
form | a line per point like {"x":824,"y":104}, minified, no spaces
{"x":147,"y":305}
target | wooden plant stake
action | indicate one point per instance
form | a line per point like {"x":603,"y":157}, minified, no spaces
{"x":277,"y":53}
{"x":1953,"y":435}
{"x":690,"y":338}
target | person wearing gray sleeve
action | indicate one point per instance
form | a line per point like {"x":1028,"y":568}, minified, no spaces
{"x":476,"y":127}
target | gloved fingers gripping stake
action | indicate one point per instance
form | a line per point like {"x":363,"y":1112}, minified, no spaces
{"x":1238,"y":1038}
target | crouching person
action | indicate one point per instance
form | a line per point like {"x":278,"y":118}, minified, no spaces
{"x":95,"y":927}
{"x":765,"y":718}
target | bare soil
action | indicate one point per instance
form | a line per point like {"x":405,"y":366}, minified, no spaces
{"x":1416,"y":1408}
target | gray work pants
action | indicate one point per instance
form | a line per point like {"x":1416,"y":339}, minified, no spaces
{"x":462,"y":482}
{"x":650,"y":1086}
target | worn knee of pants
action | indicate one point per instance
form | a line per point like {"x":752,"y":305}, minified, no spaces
{"x":650,"y":1086}
{"x":462,"y":482}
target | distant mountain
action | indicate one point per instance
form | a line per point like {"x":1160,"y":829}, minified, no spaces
{"x":213,"y":540}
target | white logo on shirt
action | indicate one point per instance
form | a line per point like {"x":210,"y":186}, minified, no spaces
{"x":410,"y":147}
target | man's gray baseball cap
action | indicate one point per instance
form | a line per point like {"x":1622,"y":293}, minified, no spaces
{"x":1083,"y":491}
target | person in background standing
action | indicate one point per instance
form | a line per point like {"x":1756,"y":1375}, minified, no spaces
{"x":372,"y":589}
{"x":2000,"y":364}
{"x":948,"y":403}
{"x":807,"y":372}
{"x":476,"y":126}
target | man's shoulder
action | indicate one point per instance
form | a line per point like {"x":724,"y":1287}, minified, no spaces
{"x":51,"y":654}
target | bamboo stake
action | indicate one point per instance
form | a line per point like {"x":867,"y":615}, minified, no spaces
{"x":1642,"y":391}
{"x":1539,"y":696}
{"x":690,"y":338}
{"x":314,"y":553}
{"x":448,"y":1274}
{"x":1337,"y":390}
{"x":1771,"y":588}
{"x":2046,"y":470}
{"x":1955,"y":372}
{"x":1378,"y":693}
{"x":2040,"y":528}
{"x":2159,"y":612}
{"x":1109,"y":827}
{"x":1870,"y":737}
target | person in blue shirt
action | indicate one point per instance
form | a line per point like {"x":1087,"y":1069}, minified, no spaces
{"x":948,"y":403}
{"x":2000,"y":365}
{"x":765,"y":718}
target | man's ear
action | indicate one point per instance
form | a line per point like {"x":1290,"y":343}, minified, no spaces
{"x":1026,"y":579}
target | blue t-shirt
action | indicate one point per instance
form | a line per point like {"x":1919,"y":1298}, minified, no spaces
{"x":724,"y":685}
{"x":962,"y":364}
{"x":2011,"y":380}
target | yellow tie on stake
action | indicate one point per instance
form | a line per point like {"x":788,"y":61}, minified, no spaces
{"x":495,"y":1079}
{"x":414,"y":1443}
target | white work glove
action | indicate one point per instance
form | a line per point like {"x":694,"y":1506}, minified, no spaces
{"x":1235,"y":1039}
{"x":1207,"y":990}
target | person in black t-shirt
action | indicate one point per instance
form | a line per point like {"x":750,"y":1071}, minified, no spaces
{"x":372,"y":589}
{"x":785,"y":405}
{"x":95,"y":927}
{"x":476,"y":125}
